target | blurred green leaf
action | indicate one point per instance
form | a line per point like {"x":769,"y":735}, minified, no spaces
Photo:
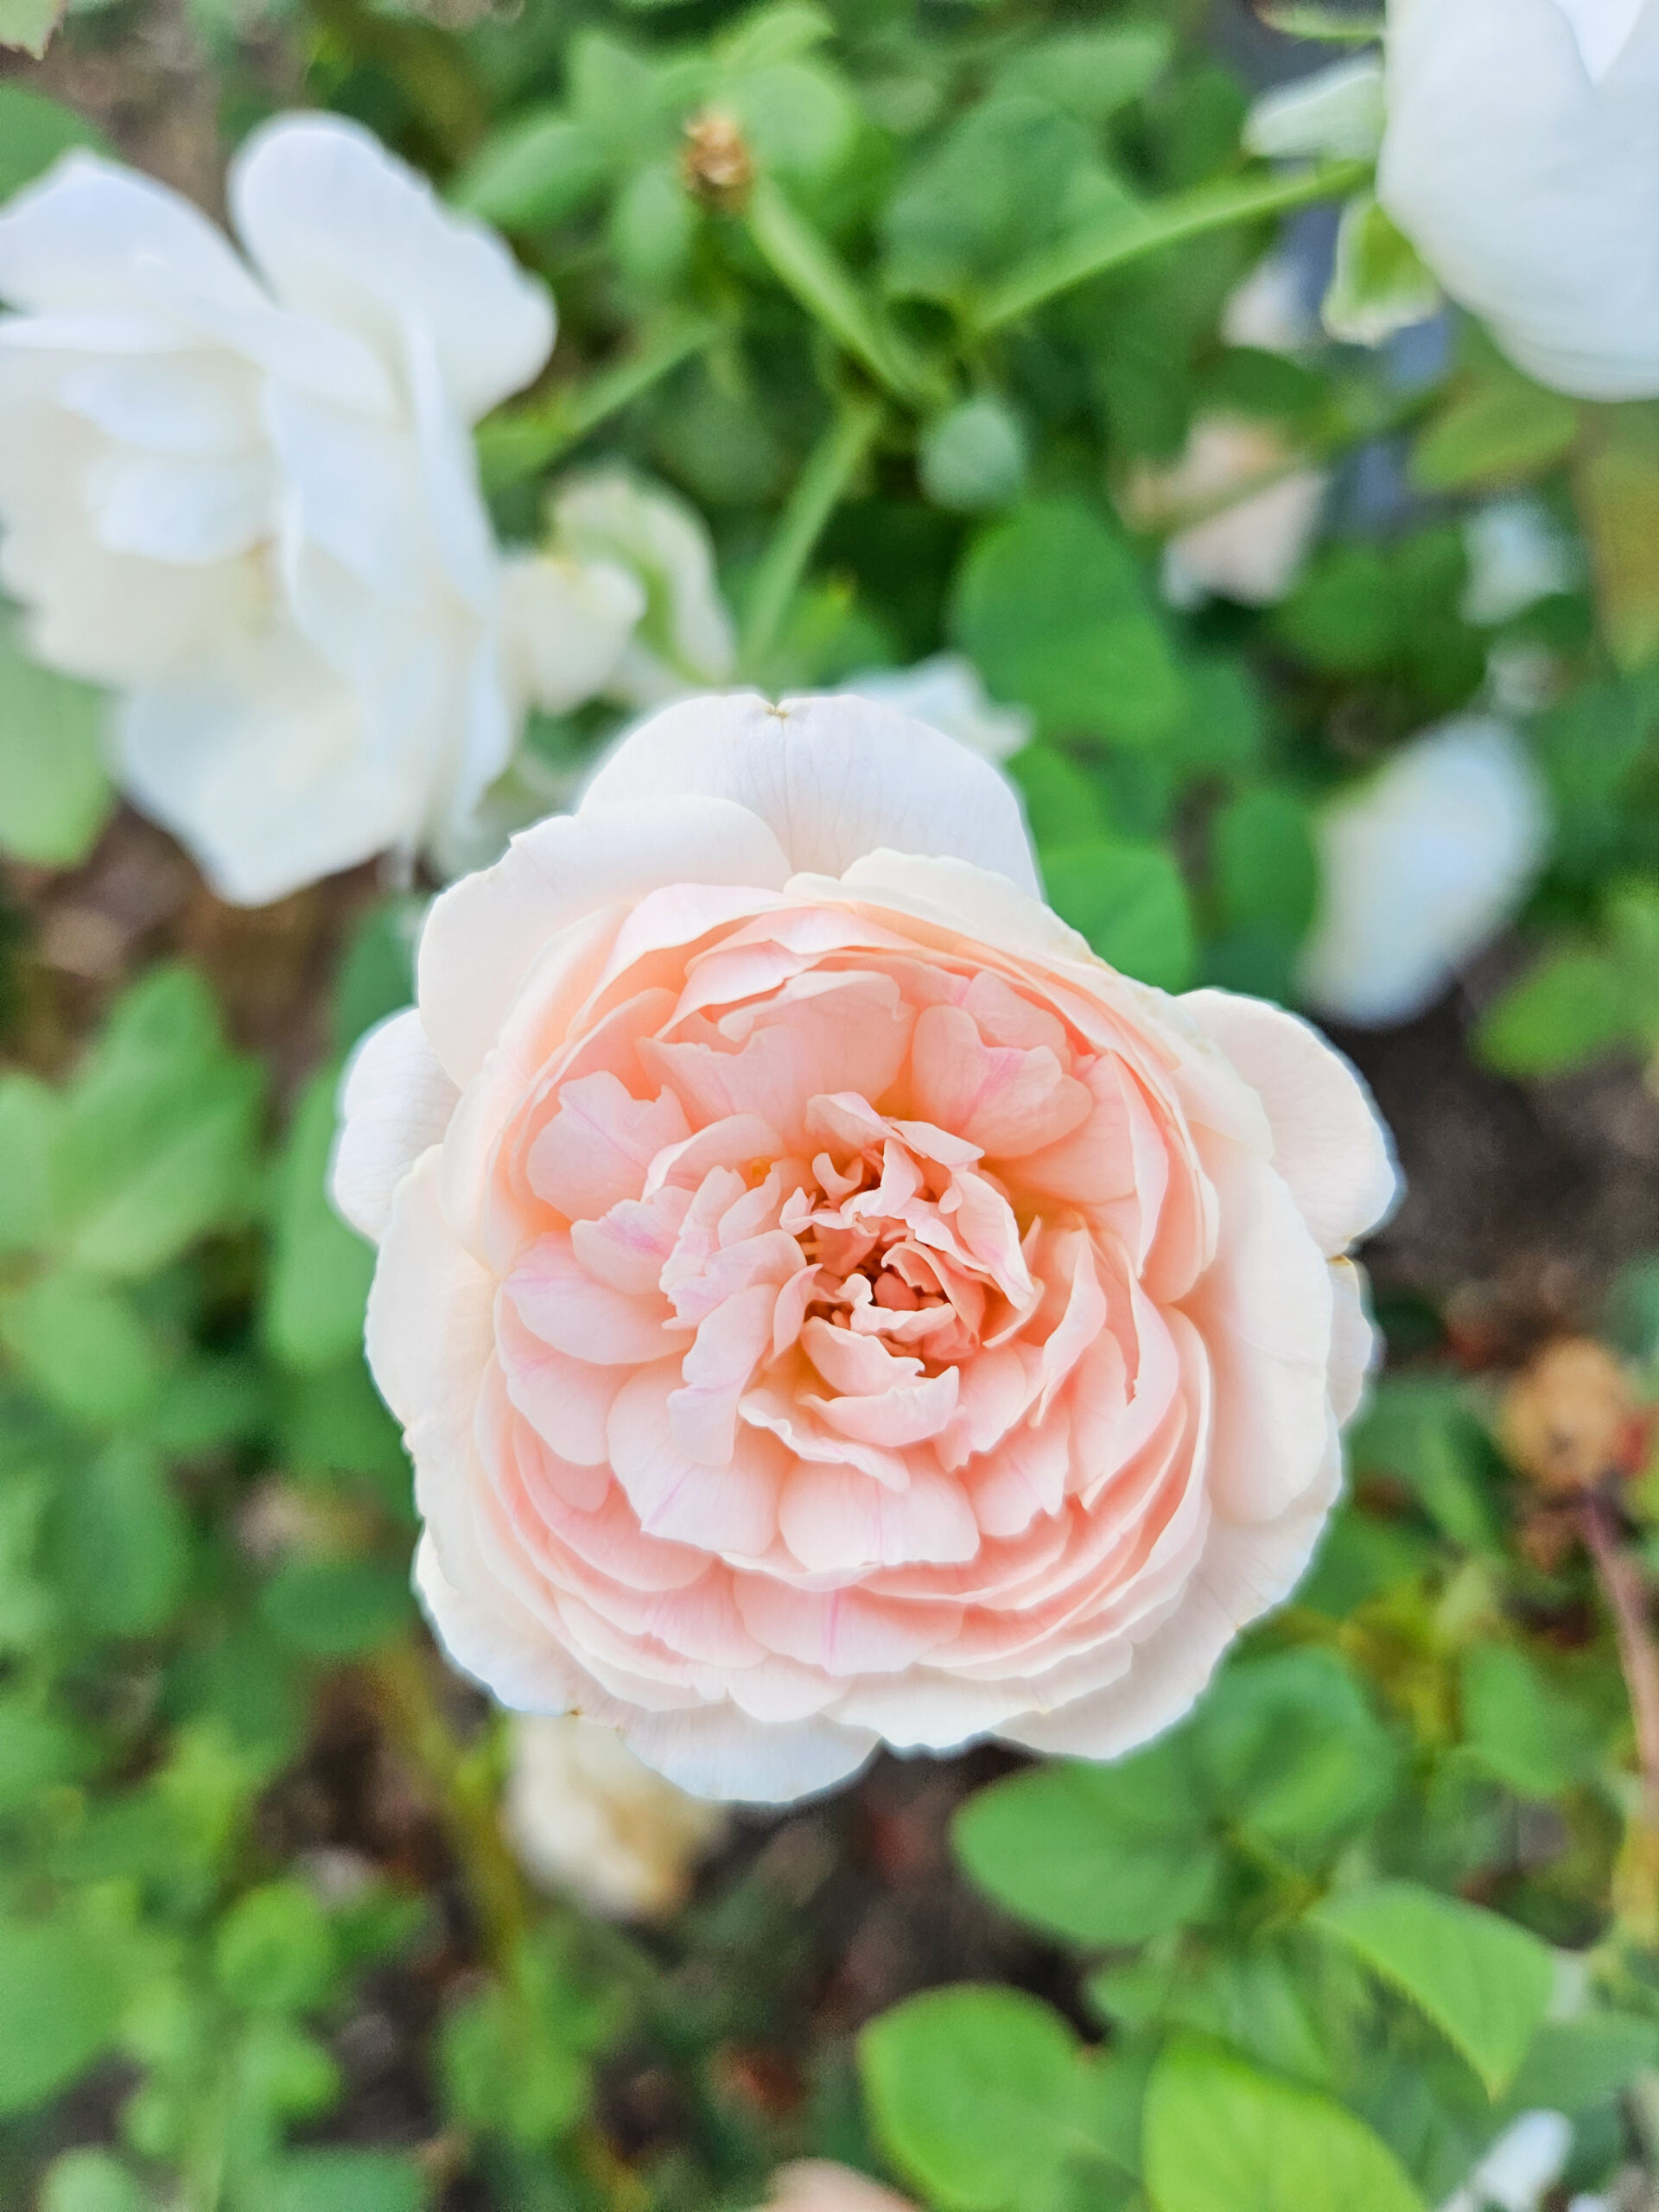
{"x":1097,"y":1854}
{"x":320,"y":1270}
{"x":82,"y":1346}
{"x":1130,"y":902}
{"x":1481,"y":1979}
{"x":61,"y":1996}
{"x":273,"y":1952}
{"x":121,"y":1543}
{"x":1520,"y":1726}
{"x":341,"y":2181}
{"x":1052,"y":607}
{"x":34,"y":129}
{"x":974,"y":2091}
{"x":55,"y":794}
{"x":91,"y":2181}
{"x":1499,"y":428}
{"x":337,"y":1608}
{"x":1220,"y":2136}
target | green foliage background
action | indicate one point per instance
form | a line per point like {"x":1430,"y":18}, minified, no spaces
{"x":1387,"y":1888}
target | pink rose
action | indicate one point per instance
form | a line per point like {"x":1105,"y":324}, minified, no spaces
{"x":826,"y":1304}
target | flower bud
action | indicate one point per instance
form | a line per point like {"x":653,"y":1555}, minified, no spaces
{"x":973,"y":456}
{"x":1570,"y":1419}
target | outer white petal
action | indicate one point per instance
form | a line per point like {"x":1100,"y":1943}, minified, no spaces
{"x":714,"y":1751}
{"x":1331,"y":1145}
{"x":394,"y":1101}
{"x":833,"y":778}
{"x":484,"y":934}
{"x":947,"y":694}
{"x":1522,"y":159}
{"x":347,"y":233}
{"x":685,"y":638}
{"x":266,"y":774}
{"x":563,"y":624}
{"x":91,"y":238}
{"x":1419,"y":869}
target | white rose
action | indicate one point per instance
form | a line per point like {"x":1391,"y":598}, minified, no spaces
{"x":1420,"y":868}
{"x":1520,"y":2168}
{"x":946,"y":692}
{"x":683,"y":640}
{"x":1520,"y":157}
{"x":243,"y":494}
{"x":1257,"y":512}
{"x":582,"y":1814}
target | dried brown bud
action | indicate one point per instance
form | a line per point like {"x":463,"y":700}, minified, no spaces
{"x":1571,"y":1420}
{"x":717,"y":164}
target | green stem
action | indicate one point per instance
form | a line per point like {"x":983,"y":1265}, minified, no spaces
{"x":415,"y":1720}
{"x":1127,"y":232}
{"x":806,"y":264}
{"x":819,"y":489}
{"x":516,"y":443}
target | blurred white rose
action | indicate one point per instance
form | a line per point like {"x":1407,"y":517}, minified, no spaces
{"x":1517,"y":555}
{"x":1420,"y":868}
{"x":1269,"y":308}
{"x":821,"y":2185}
{"x":582,"y":1814}
{"x":1519,"y":2170}
{"x":683,"y":640}
{"x":1336,"y":112}
{"x":1521,"y":156}
{"x":1257,"y":510}
{"x":243,"y":494}
{"x":947,"y":693}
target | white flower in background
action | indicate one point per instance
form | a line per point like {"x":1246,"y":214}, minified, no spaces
{"x":1420,"y":868}
{"x":948,"y":694}
{"x":1520,"y":157}
{"x":243,"y":494}
{"x":684,"y":639}
{"x":1519,"y":2170}
{"x":1269,"y":310}
{"x":1335,"y":113}
{"x":821,"y":2185}
{"x":1257,"y":510}
{"x":583,"y":1814}
{"x":1517,"y":555}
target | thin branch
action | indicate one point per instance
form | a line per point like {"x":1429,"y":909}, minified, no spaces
{"x":819,"y":489}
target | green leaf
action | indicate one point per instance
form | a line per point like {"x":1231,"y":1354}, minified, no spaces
{"x":320,"y":1269}
{"x":55,"y":793}
{"x":1090,"y":73}
{"x":1571,"y":2064}
{"x":1129,"y":232}
{"x":27,"y":1121}
{"x":273,"y":1951}
{"x":974,"y":2091}
{"x":1618,"y":488}
{"x":90,"y":2181}
{"x":156,"y":1140}
{"x":1519,"y":1725}
{"x":1573,"y":1006}
{"x":35,"y":1752}
{"x":1294,"y":1753}
{"x":33,"y":131}
{"x":1265,"y":869}
{"x":61,"y":1996}
{"x":1500,"y":429}
{"x":341,"y":2181}
{"x":504,"y":2072}
{"x":1096,"y":1854}
{"x":337,"y":1608}
{"x":1130,"y":902}
{"x":1379,"y":285}
{"x":121,"y":1543}
{"x":82,"y":1346}
{"x":533,"y":172}
{"x":1052,"y":607}
{"x":28,"y":23}
{"x":1220,"y":2136}
{"x":1481,"y":1980}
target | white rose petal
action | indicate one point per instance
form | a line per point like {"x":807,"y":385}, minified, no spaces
{"x":1518,"y":2171}
{"x":1522,"y":159}
{"x":1516,"y":557}
{"x":246,"y":497}
{"x":948,"y":694}
{"x":583,"y":1814}
{"x":1420,"y":868}
{"x":1259,"y":512}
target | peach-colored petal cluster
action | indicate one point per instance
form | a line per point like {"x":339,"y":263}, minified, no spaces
{"x":827,"y":1304}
